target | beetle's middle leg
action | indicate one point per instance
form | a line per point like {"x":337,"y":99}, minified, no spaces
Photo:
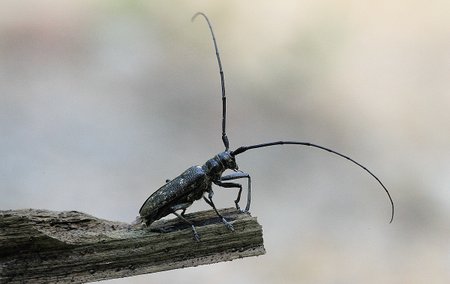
{"x":211,"y":203}
{"x":183,"y":207}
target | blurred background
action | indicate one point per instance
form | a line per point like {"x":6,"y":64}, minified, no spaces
{"x":101,"y":101}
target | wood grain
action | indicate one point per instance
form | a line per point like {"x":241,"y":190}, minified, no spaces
{"x":42,"y":246}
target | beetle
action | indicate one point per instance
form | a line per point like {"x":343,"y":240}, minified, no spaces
{"x":196,"y":182}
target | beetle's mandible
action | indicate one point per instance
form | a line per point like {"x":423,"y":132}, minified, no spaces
{"x":196,"y":182}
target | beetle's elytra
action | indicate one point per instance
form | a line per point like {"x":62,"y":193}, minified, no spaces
{"x":196,"y":182}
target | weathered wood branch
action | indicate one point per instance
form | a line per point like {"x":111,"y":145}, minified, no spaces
{"x":41,"y":246}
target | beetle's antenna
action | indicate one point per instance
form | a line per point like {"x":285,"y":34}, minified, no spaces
{"x":222,"y":81}
{"x":245,"y":148}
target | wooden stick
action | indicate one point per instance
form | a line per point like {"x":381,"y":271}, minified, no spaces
{"x":42,"y":246}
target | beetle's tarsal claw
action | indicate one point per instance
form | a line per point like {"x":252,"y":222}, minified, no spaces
{"x":196,"y":235}
{"x":238,"y":208}
{"x":228,"y":225}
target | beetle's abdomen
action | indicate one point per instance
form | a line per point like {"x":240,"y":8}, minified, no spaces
{"x":186,"y":188}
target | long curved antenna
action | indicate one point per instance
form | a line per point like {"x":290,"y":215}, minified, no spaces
{"x":245,"y":148}
{"x":222,"y":81}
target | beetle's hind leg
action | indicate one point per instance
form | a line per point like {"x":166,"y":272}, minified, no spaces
{"x":194,"y":231}
{"x":181,"y":216}
{"x":211,"y":203}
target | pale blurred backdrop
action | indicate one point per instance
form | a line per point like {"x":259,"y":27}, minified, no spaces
{"x":101,"y":101}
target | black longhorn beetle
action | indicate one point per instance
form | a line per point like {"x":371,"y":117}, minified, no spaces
{"x":196,"y":182}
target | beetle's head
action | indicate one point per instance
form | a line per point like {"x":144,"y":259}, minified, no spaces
{"x":227,"y":160}
{"x":221,"y":162}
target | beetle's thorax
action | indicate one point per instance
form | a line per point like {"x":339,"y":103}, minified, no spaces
{"x":216,"y":166}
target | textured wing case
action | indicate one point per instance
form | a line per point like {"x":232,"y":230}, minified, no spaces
{"x":187,"y":187}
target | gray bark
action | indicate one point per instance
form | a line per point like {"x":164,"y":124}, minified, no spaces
{"x":42,"y":246}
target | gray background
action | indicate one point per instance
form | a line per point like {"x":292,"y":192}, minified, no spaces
{"x":101,"y":101}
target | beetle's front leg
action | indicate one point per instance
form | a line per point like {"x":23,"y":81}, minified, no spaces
{"x":233,"y":176}
{"x":211,"y":203}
